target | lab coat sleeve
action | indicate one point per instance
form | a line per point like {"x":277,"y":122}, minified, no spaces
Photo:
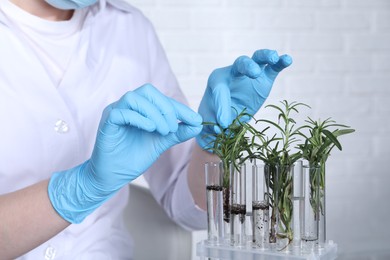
{"x":167,"y":178}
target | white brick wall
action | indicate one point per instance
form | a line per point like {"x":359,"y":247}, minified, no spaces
{"x":341,"y":51}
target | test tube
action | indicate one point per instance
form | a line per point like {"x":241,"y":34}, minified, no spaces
{"x":297,"y":200}
{"x":238,"y":205}
{"x":311,"y":205}
{"x":214,"y":182}
{"x":260,"y":206}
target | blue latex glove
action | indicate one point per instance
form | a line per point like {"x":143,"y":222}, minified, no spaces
{"x":132,"y":134}
{"x":245,"y":84}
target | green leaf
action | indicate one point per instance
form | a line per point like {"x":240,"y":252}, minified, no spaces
{"x":332,"y":138}
{"x":343,"y":132}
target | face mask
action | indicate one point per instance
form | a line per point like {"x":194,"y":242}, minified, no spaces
{"x":70,"y":4}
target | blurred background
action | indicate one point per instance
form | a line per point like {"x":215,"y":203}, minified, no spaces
{"x":341,"y":53}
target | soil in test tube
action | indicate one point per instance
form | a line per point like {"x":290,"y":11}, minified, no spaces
{"x":237,"y":225}
{"x":214,"y":197}
{"x":214,"y":210}
{"x":260,"y":211}
{"x":238,"y":210}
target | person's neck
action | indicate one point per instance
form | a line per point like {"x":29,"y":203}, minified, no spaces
{"x":43,"y":10}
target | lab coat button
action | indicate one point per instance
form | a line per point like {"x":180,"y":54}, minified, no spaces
{"x":61,"y":126}
{"x":50,"y":253}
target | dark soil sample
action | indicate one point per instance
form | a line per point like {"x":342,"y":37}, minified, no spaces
{"x":239,"y":209}
{"x":260,"y":205}
{"x":214,"y":187}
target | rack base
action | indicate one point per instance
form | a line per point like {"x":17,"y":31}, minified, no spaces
{"x":206,"y":251}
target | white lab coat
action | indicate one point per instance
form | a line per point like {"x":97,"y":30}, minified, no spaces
{"x":47,"y":128}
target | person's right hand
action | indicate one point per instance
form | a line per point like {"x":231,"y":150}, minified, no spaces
{"x":132,"y":134}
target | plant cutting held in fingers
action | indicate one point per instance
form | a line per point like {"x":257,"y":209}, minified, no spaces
{"x":232,"y":147}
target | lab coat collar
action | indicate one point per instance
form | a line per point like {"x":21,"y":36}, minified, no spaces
{"x":119,"y":4}
{"x":98,"y":8}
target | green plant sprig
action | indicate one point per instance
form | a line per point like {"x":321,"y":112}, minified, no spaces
{"x":276,"y":152}
{"x":316,"y":150}
{"x":231,"y":144}
{"x":320,"y":141}
{"x":287,"y":135}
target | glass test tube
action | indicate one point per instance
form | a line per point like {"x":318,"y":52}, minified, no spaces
{"x":260,"y":206}
{"x":322,"y":206}
{"x":237,"y":206}
{"x":272,"y":171}
{"x":297,"y":200}
{"x":311,"y":204}
{"x":214,"y":182}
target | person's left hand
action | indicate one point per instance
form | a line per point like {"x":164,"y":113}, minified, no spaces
{"x":244,"y":85}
